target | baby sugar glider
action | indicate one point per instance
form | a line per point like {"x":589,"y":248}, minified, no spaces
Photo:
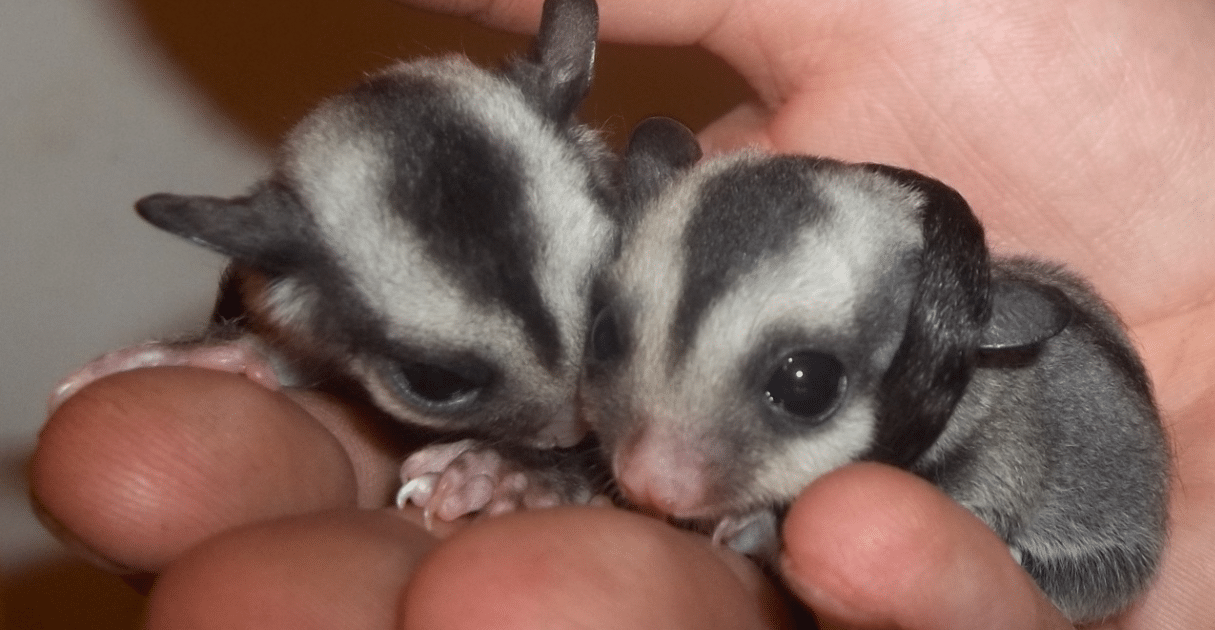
{"x":432,"y":234}
{"x":772,"y":318}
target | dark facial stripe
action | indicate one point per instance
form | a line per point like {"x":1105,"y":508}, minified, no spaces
{"x":934,"y":363}
{"x":464,"y":196}
{"x":743,"y":216}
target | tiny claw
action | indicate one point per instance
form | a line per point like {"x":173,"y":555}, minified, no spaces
{"x":418,"y":490}
{"x":756,"y":534}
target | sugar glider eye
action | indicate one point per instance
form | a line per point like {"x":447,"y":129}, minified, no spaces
{"x":432,"y":385}
{"x":606,"y":341}
{"x":806,"y":384}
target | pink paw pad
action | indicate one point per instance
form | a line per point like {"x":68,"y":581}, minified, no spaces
{"x":459,"y":479}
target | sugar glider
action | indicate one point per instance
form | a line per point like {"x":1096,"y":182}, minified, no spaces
{"x":772,"y":318}
{"x":432,"y":233}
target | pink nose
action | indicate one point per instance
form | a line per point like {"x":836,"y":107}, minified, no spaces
{"x":663,"y":473}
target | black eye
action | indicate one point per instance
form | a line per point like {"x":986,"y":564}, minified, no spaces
{"x":606,"y":342}
{"x":430,"y":384}
{"x":806,"y":384}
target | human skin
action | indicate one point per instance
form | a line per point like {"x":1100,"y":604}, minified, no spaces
{"x":1079,"y":131}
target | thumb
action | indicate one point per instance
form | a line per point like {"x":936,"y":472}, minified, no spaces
{"x":869,"y":546}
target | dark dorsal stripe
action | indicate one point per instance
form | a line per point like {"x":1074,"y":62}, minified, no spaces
{"x":464,"y":196}
{"x":743,"y":216}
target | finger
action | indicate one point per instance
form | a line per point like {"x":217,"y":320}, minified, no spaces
{"x":679,"y":23}
{"x":744,"y":126}
{"x":374,"y":444}
{"x":340,"y":569}
{"x":873,"y":547}
{"x":584,"y":568}
{"x":141,"y":465}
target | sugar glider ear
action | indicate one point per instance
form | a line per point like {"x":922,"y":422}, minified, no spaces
{"x":565,"y":53}
{"x":659,"y":149}
{"x":948,"y":312}
{"x":263,"y":229}
{"x":1024,"y":314}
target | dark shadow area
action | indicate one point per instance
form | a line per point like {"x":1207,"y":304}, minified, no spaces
{"x":67,"y":595}
{"x":264,"y":63}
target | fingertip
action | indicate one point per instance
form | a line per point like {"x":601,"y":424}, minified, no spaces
{"x":840,"y":536}
{"x":141,"y":465}
{"x":578,"y":568}
{"x":870,"y":546}
{"x":337,"y":569}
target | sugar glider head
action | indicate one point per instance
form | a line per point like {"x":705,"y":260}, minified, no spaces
{"x":438,"y":227}
{"x":771,"y":318}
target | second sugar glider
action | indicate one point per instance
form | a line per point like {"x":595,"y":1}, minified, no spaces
{"x":772,"y":318}
{"x":432,"y":234}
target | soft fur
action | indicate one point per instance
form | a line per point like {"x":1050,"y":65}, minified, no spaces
{"x":432,"y":232}
{"x":1009,"y":384}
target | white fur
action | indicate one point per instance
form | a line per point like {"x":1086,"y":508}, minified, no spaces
{"x":341,"y":172}
{"x":578,"y":234}
{"x":815,"y":288}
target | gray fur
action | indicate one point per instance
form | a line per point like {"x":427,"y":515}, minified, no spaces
{"x":1052,"y":437}
{"x":434,"y":229}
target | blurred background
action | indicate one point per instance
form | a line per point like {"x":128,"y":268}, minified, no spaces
{"x":104,"y":101}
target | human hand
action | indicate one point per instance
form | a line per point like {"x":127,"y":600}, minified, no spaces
{"x":266,"y":509}
{"x":260,"y":508}
{"x":1079,"y":132}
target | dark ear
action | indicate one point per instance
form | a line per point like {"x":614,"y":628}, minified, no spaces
{"x":659,"y":149}
{"x":949,"y":309}
{"x":263,"y":229}
{"x":565,"y":53}
{"x":1024,"y":315}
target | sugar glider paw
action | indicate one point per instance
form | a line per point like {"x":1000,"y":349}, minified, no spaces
{"x":238,"y":357}
{"x":756,"y":534}
{"x":464,"y":478}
